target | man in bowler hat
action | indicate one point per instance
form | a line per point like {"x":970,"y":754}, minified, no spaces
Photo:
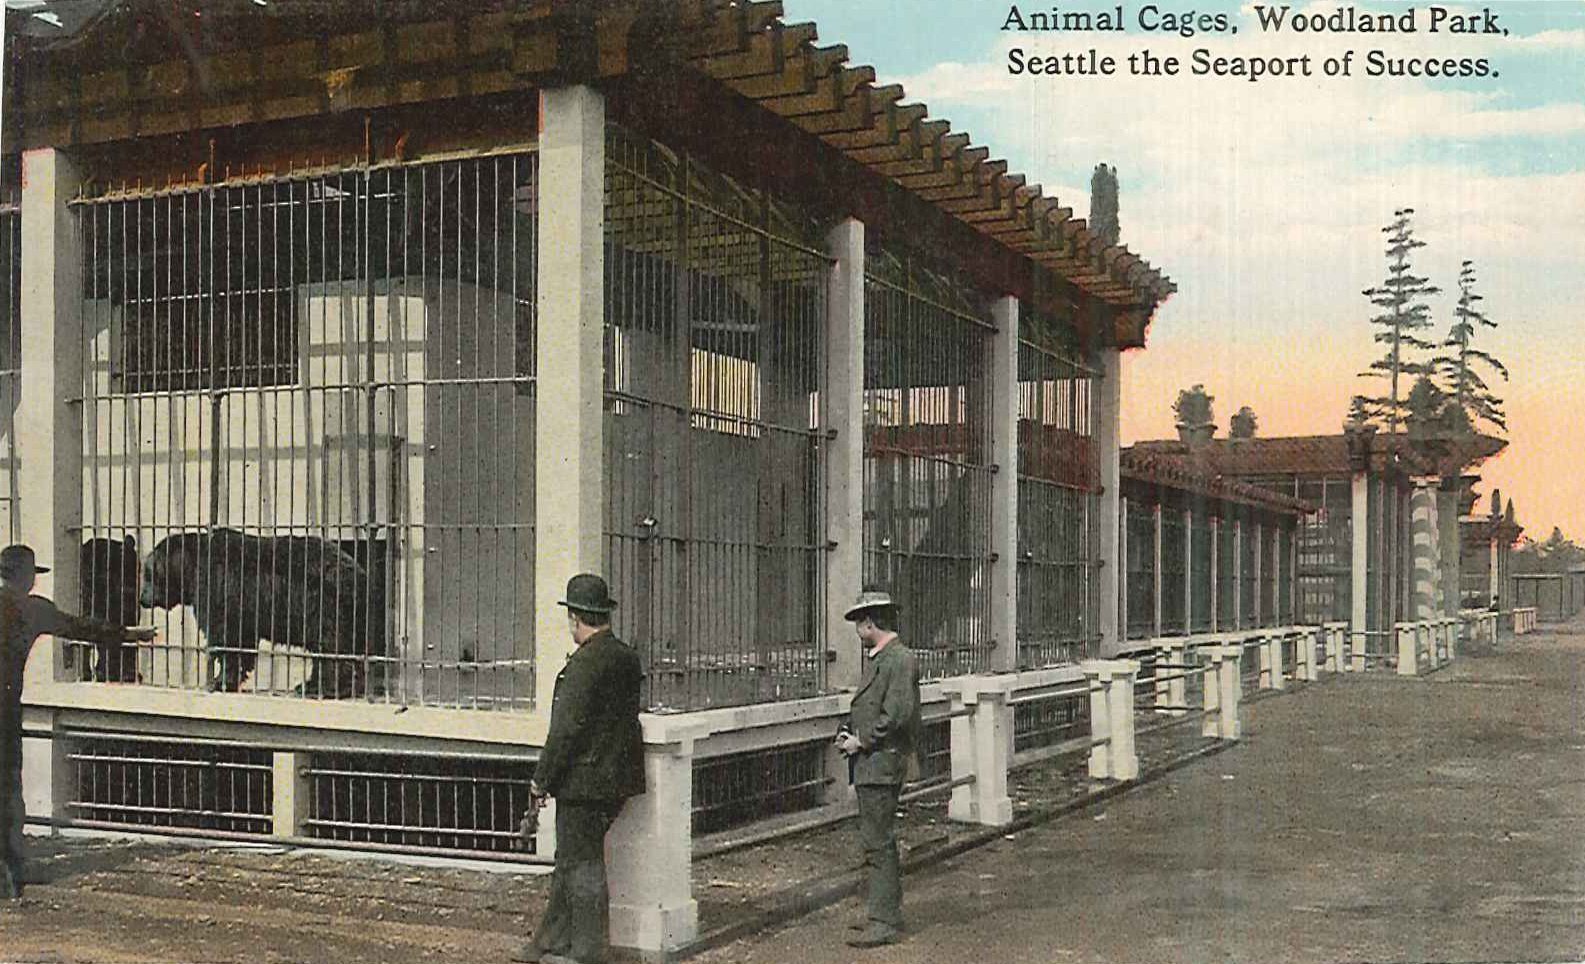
{"x":882,"y":741}
{"x":592,"y":762}
{"x":25,"y":617}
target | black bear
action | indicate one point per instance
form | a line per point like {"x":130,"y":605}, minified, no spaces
{"x":110,"y":593}
{"x":291,"y":590}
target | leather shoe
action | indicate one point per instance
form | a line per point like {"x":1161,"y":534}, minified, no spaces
{"x":876,"y":935}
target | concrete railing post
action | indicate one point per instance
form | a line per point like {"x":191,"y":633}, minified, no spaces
{"x":1408,"y":649}
{"x":1307,"y":640}
{"x":1268,"y":670}
{"x":650,"y":847}
{"x":1334,"y":647}
{"x":1356,"y":645}
{"x":1223,"y":684}
{"x":1112,"y":756}
{"x":1172,"y":694}
{"x":1278,"y":642}
{"x":982,"y":746}
{"x":292,"y":791}
{"x":1211,"y":689}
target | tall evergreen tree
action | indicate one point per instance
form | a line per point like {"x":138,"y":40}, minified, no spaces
{"x":1103,"y":204}
{"x":1404,"y":313}
{"x":1467,"y":390}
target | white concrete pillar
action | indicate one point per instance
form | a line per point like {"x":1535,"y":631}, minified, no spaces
{"x":842,"y":398}
{"x":1107,"y":405}
{"x":650,"y":847}
{"x":1172,"y":695}
{"x":1307,"y":640}
{"x":1333,"y":633}
{"x":569,"y":501}
{"x":1359,"y":569}
{"x":1494,"y":576}
{"x":1113,"y":755}
{"x":1222,"y":690}
{"x":982,"y":744}
{"x":1123,"y":615}
{"x":50,"y":480}
{"x":293,"y":793}
{"x":1278,"y":643}
{"x":1269,"y":667}
{"x":1004,"y":485}
{"x":1408,"y":648}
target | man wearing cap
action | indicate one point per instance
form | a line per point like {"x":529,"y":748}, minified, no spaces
{"x":882,"y":741}
{"x":23,"y":618}
{"x":593,"y":760}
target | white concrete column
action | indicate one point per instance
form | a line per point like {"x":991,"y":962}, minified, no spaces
{"x":1112,"y":718}
{"x":1173,"y":695}
{"x":50,"y":480}
{"x":1359,"y":568}
{"x":1307,"y":640}
{"x":1122,"y":577}
{"x":982,"y":745}
{"x":842,"y":399}
{"x":1333,"y":634}
{"x":1277,"y":644}
{"x":1494,"y":577}
{"x":569,"y":498}
{"x":1106,"y":409}
{"x":1222,"y":690}
{"x":650,"y":847}
{"x":1408,"y":648}
{"x":1268,"y":665}
{"x":293,"y":793}
{"x":1004,"y":485}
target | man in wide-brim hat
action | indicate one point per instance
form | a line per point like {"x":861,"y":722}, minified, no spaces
{"x":592,"y":762}
{"x":25,"y":617}
{"x":882,"y":740}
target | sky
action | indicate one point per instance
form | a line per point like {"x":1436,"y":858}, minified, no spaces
{"x":1265,"y":201}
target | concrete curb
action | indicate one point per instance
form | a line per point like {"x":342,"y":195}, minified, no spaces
{"x":798,"y":902}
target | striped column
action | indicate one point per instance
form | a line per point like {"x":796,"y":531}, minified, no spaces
{"x":1425,"y":537}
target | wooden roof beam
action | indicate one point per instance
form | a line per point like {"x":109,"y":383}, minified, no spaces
{"x":890,"y":120}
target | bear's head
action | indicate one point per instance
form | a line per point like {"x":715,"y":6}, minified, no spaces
{"x":167,"y":572}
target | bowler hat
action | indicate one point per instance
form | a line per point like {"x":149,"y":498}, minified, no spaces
{"x":588,"y":593}
{"x":868,"y":599}
{"x":18,"y":559}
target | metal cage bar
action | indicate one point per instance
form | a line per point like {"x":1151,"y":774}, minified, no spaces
{"x":1057,"y":481}
{"x":308,"y":399}
{"x":715,"y":348}
{"x":927,"y":457}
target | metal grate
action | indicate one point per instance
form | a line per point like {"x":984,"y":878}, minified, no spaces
{"x":927,"y":452}
{"x":1040,"y":723}
{"x":1174,"y":570}
{"x":1227,"y":573}
{"x":319,"y":387}
{"x":715,"y":322}
{"x":413,"y":801}
{"x":10,"y":366}
{"x":1140,"y":531}
{"x":935,"y":751}
{"x":1056,"y":491}
{"x":140,"y":781}
{"x":1248,"y":588}
{"x":741,"y":788}
{"x":1267,"y":545}
{"x":1325,"y":557}
{"x":1286,"y":580}
{"x":1200,"y":571}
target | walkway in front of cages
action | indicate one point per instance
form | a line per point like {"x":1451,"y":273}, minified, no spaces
{"x":1368,"y":817}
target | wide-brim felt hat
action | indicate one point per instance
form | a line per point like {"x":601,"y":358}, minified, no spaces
{"x":869,"y":599}
{"x":17,"y":559}
{"x":588,"y":593}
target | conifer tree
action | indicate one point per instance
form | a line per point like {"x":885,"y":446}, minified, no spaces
{"x":1470,"y":400}
{"x":1403,"y":314}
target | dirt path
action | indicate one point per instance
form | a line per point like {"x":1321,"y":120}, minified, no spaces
{"x":1362,"y":819}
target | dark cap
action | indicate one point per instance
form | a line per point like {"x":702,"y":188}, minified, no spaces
{"x":588,"y":593}
{"x":18,"y":559}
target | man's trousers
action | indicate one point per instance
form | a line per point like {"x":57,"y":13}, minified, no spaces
{"x":878,"y":832}
{"x":577,"y":919}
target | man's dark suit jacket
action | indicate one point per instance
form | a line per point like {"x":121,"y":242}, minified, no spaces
{"x":885,"y":717}
{"x":595,"y":750}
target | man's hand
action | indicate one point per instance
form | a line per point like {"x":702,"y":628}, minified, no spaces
{"x":537,"y":795}
{"x":138,"y":634}
{"x":848,"y":744}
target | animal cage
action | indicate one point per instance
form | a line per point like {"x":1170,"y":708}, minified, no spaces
{"x":309,"y":398}
{"x":715,"y":301}
{"x":1174,"y":568}
{"x":927,"y":457}
{"x":1201,"y":532}
{"x":1057,"y":484}
{"x":1139,"y":532}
